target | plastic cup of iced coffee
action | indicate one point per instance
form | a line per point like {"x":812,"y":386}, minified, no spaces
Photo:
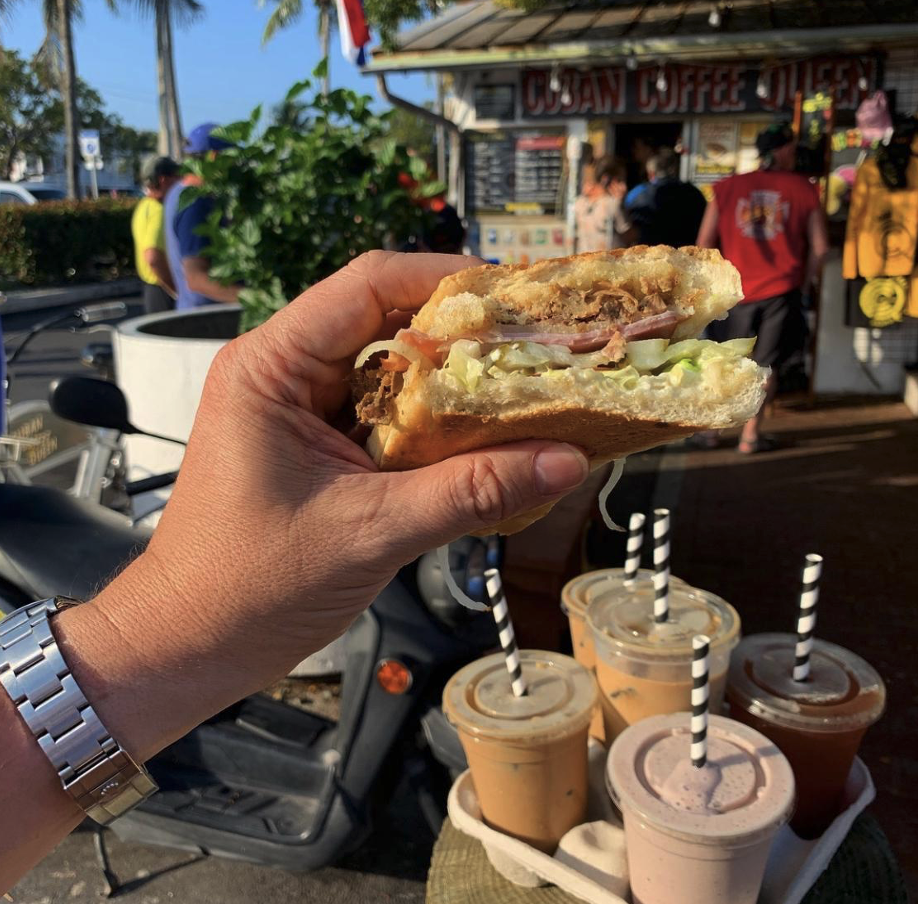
{"x":643,"y":666}
{"x":698,"y":835}
{"x":575,"y":598}
{"x":527,"y":754}
{"x":579,"y":591}
{"x":818,"y":723}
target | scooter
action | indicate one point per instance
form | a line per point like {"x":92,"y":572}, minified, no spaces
{"x":261,"y":781}
{"x":40,"y":447}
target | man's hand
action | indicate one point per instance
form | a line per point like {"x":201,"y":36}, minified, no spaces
{"x":282,"y":513}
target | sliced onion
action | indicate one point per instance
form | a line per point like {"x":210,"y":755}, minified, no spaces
{"x":616,"y":475}
{"x":392,"y":345}
{"x":455,"y":590}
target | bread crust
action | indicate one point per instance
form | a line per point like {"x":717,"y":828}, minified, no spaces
{"x":435,"y":436}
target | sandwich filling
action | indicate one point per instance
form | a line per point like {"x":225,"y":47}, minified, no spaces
{"x":470,"y":365}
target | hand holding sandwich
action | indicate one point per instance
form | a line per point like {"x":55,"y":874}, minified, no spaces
{"x":299,"y":512}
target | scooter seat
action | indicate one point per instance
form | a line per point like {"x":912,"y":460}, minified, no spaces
{"x":52,"y":544}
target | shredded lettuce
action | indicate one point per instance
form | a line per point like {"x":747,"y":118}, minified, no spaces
{"x":681,"y":363}
{"x":464,"y":364}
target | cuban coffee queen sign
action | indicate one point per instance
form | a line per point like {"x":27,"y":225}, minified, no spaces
{"x":689,"y":89}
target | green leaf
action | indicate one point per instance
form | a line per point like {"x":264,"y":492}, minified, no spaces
{"x":321,"y":69}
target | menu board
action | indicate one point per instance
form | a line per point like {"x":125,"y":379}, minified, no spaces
{"x":495,"y":102}
{"x":539,"y":164}
{"x":490,"y":172}
{"x":509,"y":173}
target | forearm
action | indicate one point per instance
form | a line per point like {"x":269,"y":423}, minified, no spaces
{"x":164,"y":276}
{"x":199,"y":281}
{"x":154,"y":659}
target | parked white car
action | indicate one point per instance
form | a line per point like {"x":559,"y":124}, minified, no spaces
{"x":30,"y":192}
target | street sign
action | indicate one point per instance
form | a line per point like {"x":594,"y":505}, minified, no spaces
{"x":93,"y":163}
{"x":89,"y":143}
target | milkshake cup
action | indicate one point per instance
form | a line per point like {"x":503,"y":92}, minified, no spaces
{"x":643,"y":667}
{"x":817,"y":723}
{"x":698,"y":835}
{"x":527,"y":755}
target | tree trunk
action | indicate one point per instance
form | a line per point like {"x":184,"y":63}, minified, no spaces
{"x":175,"y":120}
{"x":164,"y":142}
{"x":68,"y":95}
{"x":325,"y":35}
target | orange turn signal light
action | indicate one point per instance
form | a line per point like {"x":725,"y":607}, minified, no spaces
{"x":394,"y":677}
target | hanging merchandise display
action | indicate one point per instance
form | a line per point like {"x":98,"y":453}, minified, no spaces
{"x":882,"y":233}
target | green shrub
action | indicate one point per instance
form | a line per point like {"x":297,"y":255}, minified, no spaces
{"x":296,"y":204}
{"x":63,"y":242}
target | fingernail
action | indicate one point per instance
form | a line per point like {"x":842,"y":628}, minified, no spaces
{"x":558,"y":469}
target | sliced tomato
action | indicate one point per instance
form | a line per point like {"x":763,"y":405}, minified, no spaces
{"x":429,"y":346}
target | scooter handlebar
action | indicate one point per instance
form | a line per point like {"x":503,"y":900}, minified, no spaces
{"x":107,"y":310}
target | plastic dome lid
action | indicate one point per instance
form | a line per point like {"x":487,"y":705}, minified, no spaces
{"x":843,"y":692}
{"x":626,"y":623}
{"x":560,"y":699}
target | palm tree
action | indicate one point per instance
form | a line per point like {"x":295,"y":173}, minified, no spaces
{"x":165,"y":13}
{"x":286,"y":12}
{"x":59,"y":16}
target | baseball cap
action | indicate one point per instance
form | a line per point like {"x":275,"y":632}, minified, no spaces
{"x":155,"y":168}
{"x":775,"y":136}
{"x":200,"y":140}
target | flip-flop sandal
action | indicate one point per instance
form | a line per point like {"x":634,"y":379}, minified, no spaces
{"x":762,"y":444}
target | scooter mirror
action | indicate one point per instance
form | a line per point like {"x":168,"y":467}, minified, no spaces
{"x":90,"y":401}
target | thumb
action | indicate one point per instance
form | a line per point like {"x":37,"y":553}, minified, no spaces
{"x":478,"y":490}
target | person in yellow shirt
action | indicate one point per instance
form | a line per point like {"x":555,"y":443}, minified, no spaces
{"x":158,"y":175}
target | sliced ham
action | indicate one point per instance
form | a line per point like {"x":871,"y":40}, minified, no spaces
{"x":659,"y":326}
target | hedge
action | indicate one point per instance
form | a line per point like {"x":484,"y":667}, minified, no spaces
{"x":60,"y":242}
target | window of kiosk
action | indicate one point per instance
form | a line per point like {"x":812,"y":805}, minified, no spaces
{"x":516,"y":171}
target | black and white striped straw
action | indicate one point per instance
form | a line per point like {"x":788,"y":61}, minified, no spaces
{"x":806,"y":616}
{"x":701,"y":646}
{"x":505,"y":631}
{"x":661,"y":565}
{"x":633,"y":549}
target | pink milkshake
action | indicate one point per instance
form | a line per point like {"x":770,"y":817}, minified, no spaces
{"x":698,"y":835}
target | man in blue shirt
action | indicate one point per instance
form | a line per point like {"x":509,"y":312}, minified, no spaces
{"x":189,"y":265}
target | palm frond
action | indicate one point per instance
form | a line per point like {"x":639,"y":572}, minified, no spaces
{"x":181,"y":12}
{"x":283,"y":16}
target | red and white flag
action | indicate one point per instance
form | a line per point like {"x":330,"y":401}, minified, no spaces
{"x":352,"y":26}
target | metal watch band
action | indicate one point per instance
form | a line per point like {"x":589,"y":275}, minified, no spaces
{"x":103,"y":780}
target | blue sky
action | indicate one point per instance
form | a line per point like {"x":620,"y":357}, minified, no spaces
{"x":223,"y":70}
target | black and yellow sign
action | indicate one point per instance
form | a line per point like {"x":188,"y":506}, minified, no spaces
{"x":883,"y":300}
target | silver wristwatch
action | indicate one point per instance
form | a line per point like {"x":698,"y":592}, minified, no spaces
{"x":94,"y":770}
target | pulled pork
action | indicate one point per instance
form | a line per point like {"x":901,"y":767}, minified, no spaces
{"x":375,"y":391}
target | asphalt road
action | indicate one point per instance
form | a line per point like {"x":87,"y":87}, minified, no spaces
{"x":390,"y":866}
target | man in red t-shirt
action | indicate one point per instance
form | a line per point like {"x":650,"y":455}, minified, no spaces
{"x":770,"y":226}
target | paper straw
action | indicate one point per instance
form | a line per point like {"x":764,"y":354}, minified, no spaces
{"x":505,"y":631}
{"x":701,"y":646}
{"x":661,"y":565}
{"x":806,"y":617}
{"x":635,"y":541}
